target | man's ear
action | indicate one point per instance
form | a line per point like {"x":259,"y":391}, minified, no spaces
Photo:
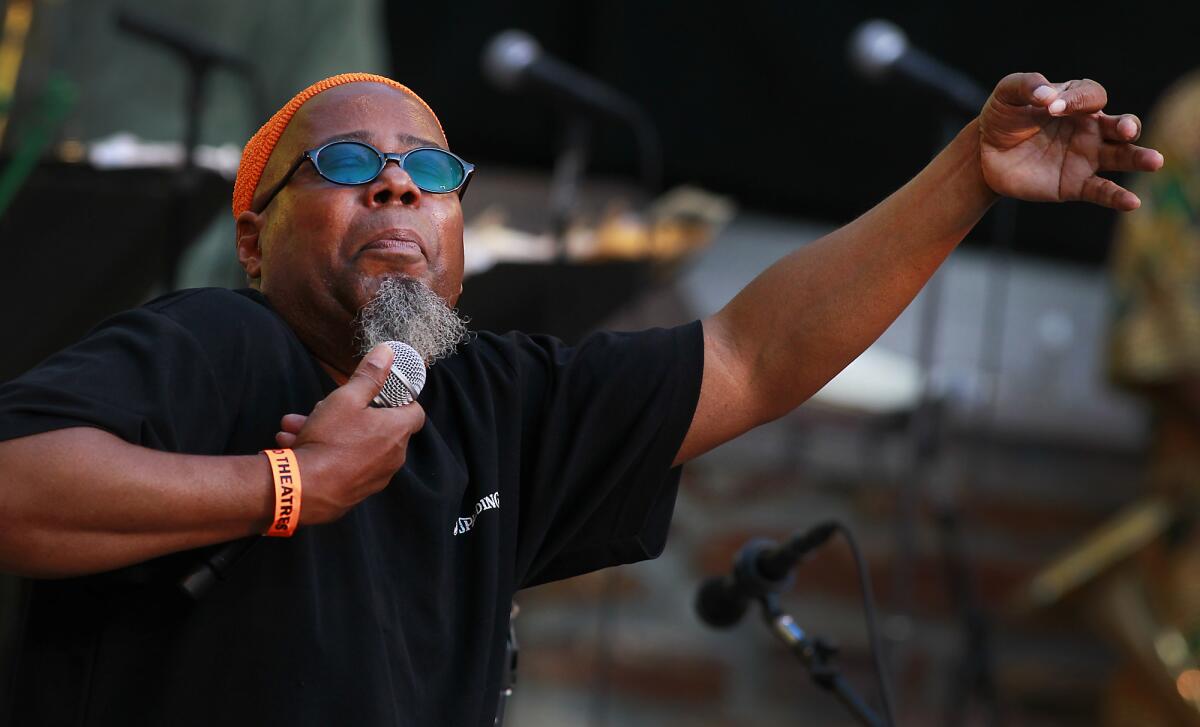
{"x":249,"y":248}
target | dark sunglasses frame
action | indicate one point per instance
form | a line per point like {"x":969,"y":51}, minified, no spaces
{"x":384,"y":157}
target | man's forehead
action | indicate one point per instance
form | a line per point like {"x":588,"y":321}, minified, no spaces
{"x":368,"y":112}
{"x":389,"y":142}
{"x":347,"y":102}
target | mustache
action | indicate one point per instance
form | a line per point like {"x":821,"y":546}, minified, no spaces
{"x":404,"y":309}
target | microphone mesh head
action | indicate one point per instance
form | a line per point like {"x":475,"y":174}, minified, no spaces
{"x":875,"y":47}
{"x":507,"y":56}
{"x":405,"y":380}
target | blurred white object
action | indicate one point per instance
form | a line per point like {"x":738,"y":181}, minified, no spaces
{"x":877,"y":382}
{"x":126,"y":151}
{"x":876,"y":46}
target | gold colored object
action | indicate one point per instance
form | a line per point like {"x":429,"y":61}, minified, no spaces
{"x":681,"y":221}
{"x":1125,"y":534}
{"x":71,"y":150}
{"x":17,"y":19}
{"x":1107,"y":569}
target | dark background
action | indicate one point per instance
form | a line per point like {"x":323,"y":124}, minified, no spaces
{"x":755,"y":99}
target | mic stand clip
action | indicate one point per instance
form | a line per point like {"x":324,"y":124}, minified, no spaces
{"x":815,"y":654}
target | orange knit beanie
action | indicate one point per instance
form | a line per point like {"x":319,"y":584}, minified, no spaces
{"x":258,"y":149}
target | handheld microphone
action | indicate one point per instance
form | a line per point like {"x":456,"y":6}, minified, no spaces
{"x":879,"y":49}
{"x":759,"y":568}
{"x":402,"y":386}
{"x":405,"y":379}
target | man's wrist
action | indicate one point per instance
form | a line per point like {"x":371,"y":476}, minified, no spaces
{"x":972,"y":141}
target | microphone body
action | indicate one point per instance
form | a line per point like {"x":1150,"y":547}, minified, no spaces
{"x":402,"y":386}
{"x":761,"y":567}
{"x":880,"y":49}
{"x":514,"y":61}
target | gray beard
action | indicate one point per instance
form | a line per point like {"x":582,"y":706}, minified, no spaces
{"x":405,"y":310}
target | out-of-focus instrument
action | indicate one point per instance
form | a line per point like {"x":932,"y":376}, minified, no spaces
{"x":1164,"y":664}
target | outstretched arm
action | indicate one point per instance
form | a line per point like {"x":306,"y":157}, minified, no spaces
{"x":805,"y":318}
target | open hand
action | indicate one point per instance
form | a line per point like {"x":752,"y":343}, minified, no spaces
{"x":1045,"y":142}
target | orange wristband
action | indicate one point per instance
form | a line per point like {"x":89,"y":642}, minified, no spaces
{"x":285,"y":470}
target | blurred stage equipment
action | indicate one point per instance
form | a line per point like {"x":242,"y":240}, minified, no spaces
{"x":55,"y":101}
{"x":200,"y":57}
{"x":1164,"y":658}
{"x":514,"y":62}
{"x":1122,"y":536}
{"x":762,"y":570}
{"x":133,"y":208}
{"x":83,"y":243}
{"x":520,"y":280}
{"x":880,"y":49}
{"x":18,"y":16}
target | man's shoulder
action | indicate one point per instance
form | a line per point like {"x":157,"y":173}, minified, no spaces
{"x":207,"y":301}
{"x":217,"y":310}
{"x":524,"y":355}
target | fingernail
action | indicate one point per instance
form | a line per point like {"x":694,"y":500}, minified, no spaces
{"x":1128,"y":127}
{"x":380,"y":355}
{"x":1058,"y":106}
{"x":1041,"y":93}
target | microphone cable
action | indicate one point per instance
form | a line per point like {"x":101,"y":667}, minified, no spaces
{"x":872,"y":619}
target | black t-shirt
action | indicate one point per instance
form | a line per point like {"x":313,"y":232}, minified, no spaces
{"x":537,"y":461}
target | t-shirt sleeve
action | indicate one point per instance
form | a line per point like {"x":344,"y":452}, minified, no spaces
{"x":602,"y":423}
{"x":140,"y":375}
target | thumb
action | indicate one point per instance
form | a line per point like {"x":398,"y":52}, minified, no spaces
{"x":369,"y":377}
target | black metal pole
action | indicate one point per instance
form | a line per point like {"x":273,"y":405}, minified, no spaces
{"x":564,"y":183}
{"x":814,"y":654}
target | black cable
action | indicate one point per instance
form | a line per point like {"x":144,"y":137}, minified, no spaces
{"x":868,"y":597}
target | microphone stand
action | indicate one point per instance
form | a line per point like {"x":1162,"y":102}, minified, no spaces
{"x":199,"y":60}
{"x":564,"y":184}
{"x":927,"y":434}
{"x":815,"y":654}
{"x":761,"y":572}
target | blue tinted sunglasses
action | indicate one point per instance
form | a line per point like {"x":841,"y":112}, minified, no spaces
{"x":356,"y":162}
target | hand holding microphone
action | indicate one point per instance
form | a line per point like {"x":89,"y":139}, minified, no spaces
{"x":347,"y":449}
{"x":355,"y":439}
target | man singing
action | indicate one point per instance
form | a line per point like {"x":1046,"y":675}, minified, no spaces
{"x":129,"y":457}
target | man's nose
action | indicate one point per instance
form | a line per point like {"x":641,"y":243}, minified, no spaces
{"x":393,"y":185}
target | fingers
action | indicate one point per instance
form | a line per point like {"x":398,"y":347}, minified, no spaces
{"x":1123,"y":127}
{"x":1129,"y":158}
{"x":293,"y":423}
{"x":412,"y":417}
{"x":290,"y":426}
{"x":1025,"y":89}
{"x":1032,"y":89}
{"x":1078,"y":97}
{"x":407,"y":420}
{"x":1108,"y":193}
{"x":368,"y":378}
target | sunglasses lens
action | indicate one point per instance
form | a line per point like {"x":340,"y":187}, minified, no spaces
{"x":348,"y":162}
{"x":434,"y":170}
